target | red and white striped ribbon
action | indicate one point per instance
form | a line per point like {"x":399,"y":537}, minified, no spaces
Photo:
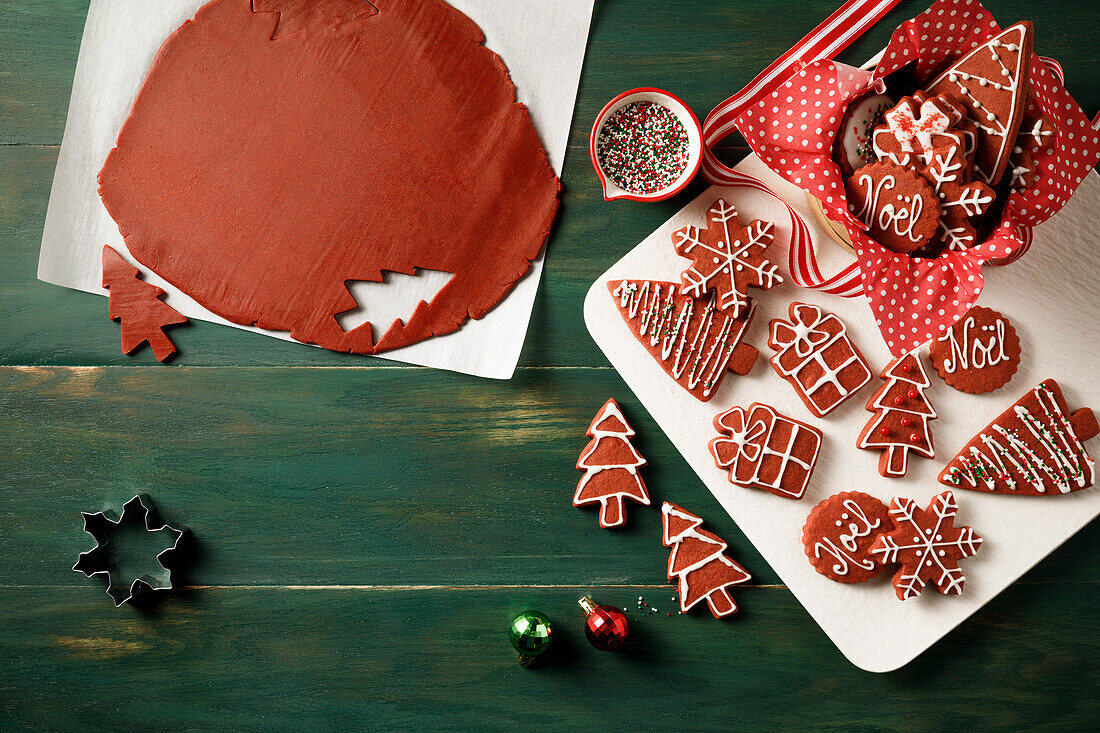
{"x":1055,"y":68}
{"x":848,"y":23}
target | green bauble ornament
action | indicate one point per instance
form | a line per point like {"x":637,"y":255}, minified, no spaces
{"x":530,"y":633}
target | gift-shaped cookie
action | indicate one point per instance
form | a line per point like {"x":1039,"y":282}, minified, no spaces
{"x":765,"y":450}
{"x":814,"y":353}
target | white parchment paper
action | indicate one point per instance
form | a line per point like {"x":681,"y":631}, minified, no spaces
{"x":541,"y":41}
{"x":1050,"y":297}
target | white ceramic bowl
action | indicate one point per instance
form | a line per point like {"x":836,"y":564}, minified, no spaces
{"x":686,"y":117}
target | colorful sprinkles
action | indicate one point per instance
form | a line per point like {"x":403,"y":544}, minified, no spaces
{"x":865,"y":148}
{"x":642,"y":147}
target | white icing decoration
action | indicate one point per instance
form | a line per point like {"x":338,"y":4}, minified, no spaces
{"x":709,"y":351}
{"x":972,"y":353}
{"x":902,"y":221}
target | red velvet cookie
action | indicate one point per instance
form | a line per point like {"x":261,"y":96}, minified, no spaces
{"x":1034,"y":448}
{"x":765,"y":450}
{"x":991,"y":82}
{"x":838,"y":535}
{"x":610,"y":464}
{"x":902,"y":412}
{"x":898,"y":205}
{"x":698,"y":561}
{"x":694,"y":342}
{"x":727,"y":258}
{"x":980,"y":353}
{"x":814,"y":353}
{"x":932,"y":136}
{"x":927,"y":545}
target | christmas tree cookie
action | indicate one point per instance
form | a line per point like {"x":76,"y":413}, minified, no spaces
{"x":694,"y":342}
{"x":610,"y":464}
{"x":1034,"y":448}
{"x":902,"y":412}
{"x":699,"y":563}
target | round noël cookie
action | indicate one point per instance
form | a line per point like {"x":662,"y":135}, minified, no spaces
{"x":838,"y":535}
{"x":980,"y":353}
{"x":897,"y":204}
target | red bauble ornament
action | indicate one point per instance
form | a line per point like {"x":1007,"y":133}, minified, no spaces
{"x":605,"y":626}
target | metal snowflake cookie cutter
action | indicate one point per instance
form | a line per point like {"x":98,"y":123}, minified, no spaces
{"x":101,"y":559}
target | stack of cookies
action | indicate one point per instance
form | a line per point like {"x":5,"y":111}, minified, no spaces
{"x":940,"y":156}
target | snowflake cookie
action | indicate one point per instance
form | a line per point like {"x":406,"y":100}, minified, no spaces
{"x":927,"y":545}
{"x":727,"y":258}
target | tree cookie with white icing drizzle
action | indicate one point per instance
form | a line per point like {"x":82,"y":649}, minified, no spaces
{"x":838,"y":535}
{"x":980,"y":353}
{"x":897,"y":204}
{"x":991,"y":82}
{"x":694,"y":342}
{"x":1034,"y":448}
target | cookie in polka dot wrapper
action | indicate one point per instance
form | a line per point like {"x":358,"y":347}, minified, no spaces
{"x":793,"y":127}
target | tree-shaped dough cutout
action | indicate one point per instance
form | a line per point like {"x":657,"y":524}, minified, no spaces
{"x":137,"y":306}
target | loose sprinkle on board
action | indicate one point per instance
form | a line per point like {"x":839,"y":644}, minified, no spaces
{"x":642,"y":147}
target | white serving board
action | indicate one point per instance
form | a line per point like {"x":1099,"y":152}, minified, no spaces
{"x":542,"y":42}
{"x":1050,"y":297}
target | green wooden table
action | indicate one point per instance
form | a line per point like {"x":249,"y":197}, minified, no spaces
{"x":365,"y":530}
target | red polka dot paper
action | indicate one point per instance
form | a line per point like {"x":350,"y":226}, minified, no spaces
{"x":792,"y":130}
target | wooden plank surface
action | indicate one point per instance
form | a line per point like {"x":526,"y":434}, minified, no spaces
{"x":364,"y":531}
